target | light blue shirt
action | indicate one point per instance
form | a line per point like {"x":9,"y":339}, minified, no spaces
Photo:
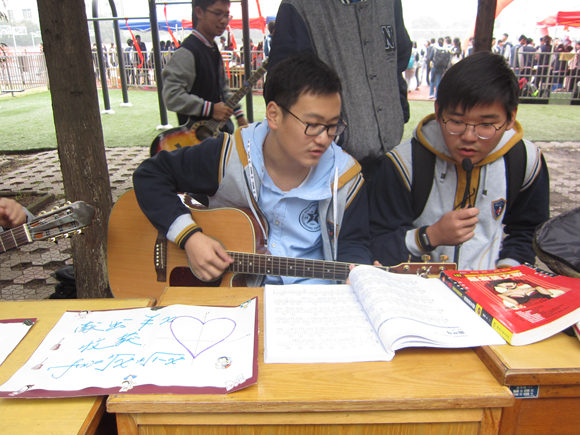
{"x":295,"y":228}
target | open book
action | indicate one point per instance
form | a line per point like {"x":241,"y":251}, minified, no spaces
{"x":368,"y":320}
{"x":523,"y":304}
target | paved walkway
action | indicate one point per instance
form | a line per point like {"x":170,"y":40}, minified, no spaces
{"x":25,"y":272}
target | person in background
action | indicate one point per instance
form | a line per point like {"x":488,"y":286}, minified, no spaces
{"x":268,"y":39}
{"x":347,"y":34}
{"x":195,"y":84}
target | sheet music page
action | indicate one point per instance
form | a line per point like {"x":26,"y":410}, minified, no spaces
{"x":407,"y":310}
{"x":177,"y":345}
{"x":317,"y":324}
{"x":12,"y":331}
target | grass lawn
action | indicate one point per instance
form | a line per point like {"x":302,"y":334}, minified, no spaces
{"x":26,"y":121}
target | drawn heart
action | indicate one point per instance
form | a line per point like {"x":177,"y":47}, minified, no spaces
{"x":197,"y":336}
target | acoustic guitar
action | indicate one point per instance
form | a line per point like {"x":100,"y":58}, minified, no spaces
{"x":193,"y":132}
{"x":57,"y":223}
{"x":142,"y":263}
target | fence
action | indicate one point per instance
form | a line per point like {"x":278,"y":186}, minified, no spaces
{"x":141,"y":74}
{"x":21,"y":72}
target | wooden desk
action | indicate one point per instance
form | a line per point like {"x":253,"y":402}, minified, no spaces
{"x":50,"y":416}
{"x":421,"y":391}
{"x":550,"y":367}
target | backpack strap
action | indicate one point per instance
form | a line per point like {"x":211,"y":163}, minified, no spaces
{"x":515,"y":165}
{"x":422,"y":179}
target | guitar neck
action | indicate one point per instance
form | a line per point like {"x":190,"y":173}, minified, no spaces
{"x":258,"y":264}
{"x":14,"y":238}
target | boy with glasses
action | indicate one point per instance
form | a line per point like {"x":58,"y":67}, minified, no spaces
{"x":194,"y":81}
{"x":465,"y":178}
{"x":286,"y":169}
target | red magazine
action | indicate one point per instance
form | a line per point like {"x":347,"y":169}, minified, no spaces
{"x":524,"y":305}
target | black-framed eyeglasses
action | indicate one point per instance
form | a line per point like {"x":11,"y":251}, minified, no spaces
{"x":332,"y":130}
{"x":221,"y":15}
{"x":483,"y":131}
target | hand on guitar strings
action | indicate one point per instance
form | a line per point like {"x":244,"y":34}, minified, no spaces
{"x":12,"y":214}
{"x":207,"y":257}
{"x":222,"y":112}
{"x":454,"y":227}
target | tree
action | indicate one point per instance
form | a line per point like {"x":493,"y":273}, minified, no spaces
{"x":79,"y":134}
{"x":484,"y":25}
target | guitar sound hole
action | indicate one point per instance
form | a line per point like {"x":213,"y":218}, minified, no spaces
{"x":184,"y":277}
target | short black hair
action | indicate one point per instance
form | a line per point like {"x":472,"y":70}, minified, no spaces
{"x":299,"y":74}
{"x":204,"y":4}
{"x":481,"y":79}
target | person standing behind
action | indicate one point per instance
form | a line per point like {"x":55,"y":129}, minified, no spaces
{"x":441,"y":61}
{"x":141,"y":60}
{"x":429,"y":46}
{"x":367,"y":43}
{"x":129,"y":58}
{"x":195,"y":84}
{"x":268,"y":39}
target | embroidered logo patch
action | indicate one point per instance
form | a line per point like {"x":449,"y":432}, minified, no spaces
{"x":309,"y":218}
{"x":497,"y":208}
{"x":389,"y":35}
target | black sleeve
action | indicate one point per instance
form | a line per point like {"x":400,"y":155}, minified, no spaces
{"x":158,"y":179}
{"x":353,"y":241}
{"x":530,"y":209}
{"x":391,"y":215}
{"x":404,"y":49}
{"x":291,"y":36}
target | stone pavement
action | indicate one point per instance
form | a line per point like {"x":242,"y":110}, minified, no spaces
{"x":25,"y":272}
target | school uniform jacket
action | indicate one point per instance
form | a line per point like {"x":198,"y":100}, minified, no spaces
{"x":394,"y":226}
{"x":219,"y":168}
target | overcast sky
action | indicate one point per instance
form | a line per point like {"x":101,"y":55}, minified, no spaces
{"x":519,"y":17}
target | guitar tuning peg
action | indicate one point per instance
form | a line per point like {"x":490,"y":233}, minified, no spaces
{"x":67,"y":203}
{"x":443,"y":258}
{"x":52,"y":239}
{"x":78,"y":231}
{"x":425,"y":257}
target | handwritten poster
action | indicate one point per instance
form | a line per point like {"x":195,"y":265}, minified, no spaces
{"x":177,"y":349}
{"x":12,"y":331}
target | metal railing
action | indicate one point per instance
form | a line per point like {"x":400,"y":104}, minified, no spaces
{"x":142,"y":74}
{"x":21,"y":72}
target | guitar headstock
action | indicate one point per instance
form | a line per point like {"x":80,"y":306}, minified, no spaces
{"x":61,"y":222}
{"x":422,"y":269}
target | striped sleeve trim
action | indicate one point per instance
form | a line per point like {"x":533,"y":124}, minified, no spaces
{"x":207,"y":108}
{"x":225,"y":156}
{"x":239,"y":113}
{"x":535,"y":171}
{"x":186,"y":234}
{"x":358,"y":182}
{"x":400,"y":165}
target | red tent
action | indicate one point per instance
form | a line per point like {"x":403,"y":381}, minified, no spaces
{"x":567,"y":19}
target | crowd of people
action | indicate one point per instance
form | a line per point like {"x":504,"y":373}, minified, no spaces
{"x":551,"y":65}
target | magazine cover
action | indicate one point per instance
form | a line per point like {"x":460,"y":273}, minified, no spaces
{"x":523,"y":304}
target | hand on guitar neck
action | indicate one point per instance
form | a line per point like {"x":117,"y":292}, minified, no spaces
{"x":12,"y":214}
{"x":222,"y":112}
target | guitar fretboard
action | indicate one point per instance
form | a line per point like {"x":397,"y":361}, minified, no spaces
{"x":11,"y":239}
{"x":258,"y":264}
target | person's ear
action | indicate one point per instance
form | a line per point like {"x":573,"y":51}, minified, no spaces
{"x":198,"y":12}
{"x":510,"y":124}
{"x":273,"y":115}
{"x":437,"y":112}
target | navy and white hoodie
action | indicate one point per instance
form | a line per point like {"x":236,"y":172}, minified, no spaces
{"x":394,"y":226}
{"x":220,"y":168}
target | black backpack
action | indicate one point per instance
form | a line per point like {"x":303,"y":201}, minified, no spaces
{"x":424,"y":169}
{"x":441,"y":58}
